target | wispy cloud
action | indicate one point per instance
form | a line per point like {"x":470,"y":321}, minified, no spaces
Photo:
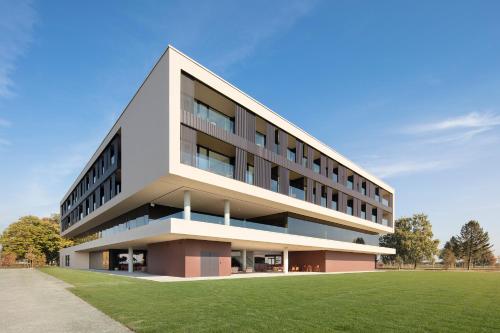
{"x":256,"y":33}
{"x":481,"y":120}
{"x":432,"y":147}
{"x":408,"y":167}
{"x":17,"y":19}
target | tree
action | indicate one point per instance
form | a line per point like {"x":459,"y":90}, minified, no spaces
{"x":7,"y":259}
{"x":448,"y":257}
{"x":453,"y":245}
{"x":474,"y":243}
{"x":412,"y":239}
{"x":487,"y":259}
{"x":40,"y":235}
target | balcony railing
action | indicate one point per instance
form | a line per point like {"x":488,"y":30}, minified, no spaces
{"x":295,"y":192}
{"x":214,"y":165}
{"x":274,"y":185}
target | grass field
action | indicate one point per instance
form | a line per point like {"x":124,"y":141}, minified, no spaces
{"x":365,"y":302}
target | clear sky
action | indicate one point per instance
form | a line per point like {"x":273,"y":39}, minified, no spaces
{"x":410,"y":91}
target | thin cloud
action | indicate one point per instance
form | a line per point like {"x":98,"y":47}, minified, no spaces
{"x":472,"y":120}
{"x":256,"y":34}
{"x":17,"y":19}
{"x":399,"y":168}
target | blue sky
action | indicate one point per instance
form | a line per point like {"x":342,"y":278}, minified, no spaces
{"x":410,"y":91}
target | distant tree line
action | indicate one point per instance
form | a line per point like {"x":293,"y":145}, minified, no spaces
{"x":414,"y":243}
{"x":32,"y":239}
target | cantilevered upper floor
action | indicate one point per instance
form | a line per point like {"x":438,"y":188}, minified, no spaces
{"x":187,"y":128}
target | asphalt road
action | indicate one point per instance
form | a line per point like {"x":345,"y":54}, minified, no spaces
{"x":31,"y":301}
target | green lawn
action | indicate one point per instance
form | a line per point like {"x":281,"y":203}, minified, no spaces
{"x":366,"y":302}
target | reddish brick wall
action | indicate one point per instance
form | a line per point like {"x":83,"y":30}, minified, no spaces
{"x":349,"y":262}
{"x":166,"y":258}
{"x":306,"y":258}
{"x":193,"y":256}
{"x":332,"y":261}
{"x":182,"y":257}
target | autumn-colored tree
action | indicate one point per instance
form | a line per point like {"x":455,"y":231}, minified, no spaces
{"x":7,"y":259}
{"x":41,"y":235}
{"x":448,"y":257}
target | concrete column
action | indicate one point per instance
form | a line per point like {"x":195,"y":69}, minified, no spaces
{"x":130,"y":260}
{"x":244,"y":259}
{"x":227,"y":212}
{"x":285,"y":261}
{"x":187,"y":205}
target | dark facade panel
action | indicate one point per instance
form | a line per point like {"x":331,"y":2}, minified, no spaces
{"x":284,"y":183}
{"x":240,"y":165}
{"x":262,"y":172}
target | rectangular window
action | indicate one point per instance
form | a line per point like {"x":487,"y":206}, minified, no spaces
{"x":374,"y":215}
{"x":214,"y":117}
{"x":363,"y":212}
{"x":316,"y":166}
{"x":260,"y":139}
{"x":349,"y":207}
{"x":335,"y":201}
{"x":377,"y":194}
{"x":323,"y":196}
{"x":335,"y":175}
{"x":112,"y":153}
{"x":290,"y":154}
{"x":66,"y":260}
{"x":350,"y":182}
{"x":214,"y":162}
{"x":363,"y":188}
{"x":250,"y":174}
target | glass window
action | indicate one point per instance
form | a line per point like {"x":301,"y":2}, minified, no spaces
{"x":304,"y":162}
{"x":363,"y":188}
{"x":350,"y":182}
{"x":335,"y":175}
{"x":250,"y":174}
{"x":316,"y":166}
{"x":374,"y":215}
{"x":214,"y":117}
{"x":363,"y":212}
{"x":377,"y":195}
{"x":349,"y":207}
{"x":335,"y":201}
{"x":260,"y":139}
{"x":290,"y":154}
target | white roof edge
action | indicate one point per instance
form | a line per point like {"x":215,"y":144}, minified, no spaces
{"x":359,"y":170}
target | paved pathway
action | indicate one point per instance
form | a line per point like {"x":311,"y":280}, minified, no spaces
{"x":31,"y":301}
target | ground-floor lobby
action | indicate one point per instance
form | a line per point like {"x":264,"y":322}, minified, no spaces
{"x":189,"y":258}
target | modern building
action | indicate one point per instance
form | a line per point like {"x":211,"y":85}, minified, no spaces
{"x":196,"y":178}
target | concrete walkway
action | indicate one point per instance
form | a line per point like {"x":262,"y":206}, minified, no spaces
{"x":31,"y":301}
{"x":163,"y":278}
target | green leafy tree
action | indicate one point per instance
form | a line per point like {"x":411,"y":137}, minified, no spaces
{"x":412,"y":239}
{"x":474,"y":243}
{"x":34,"y":235}
{"x":454,"y":245}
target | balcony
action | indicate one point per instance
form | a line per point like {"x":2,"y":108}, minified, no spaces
{"x":295,"y":192}
{"x":215,"y":165}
